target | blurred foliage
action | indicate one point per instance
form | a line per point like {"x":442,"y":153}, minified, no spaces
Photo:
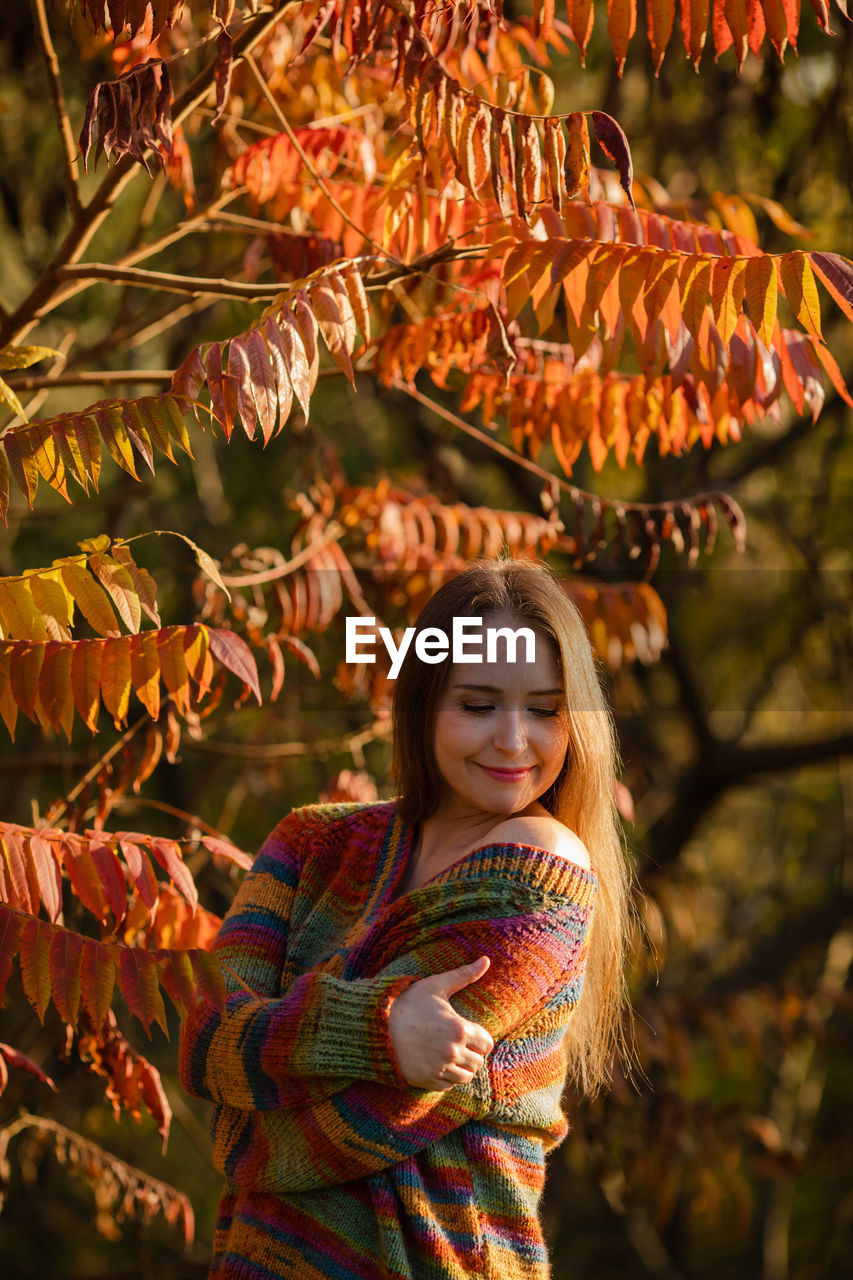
{"x":727,"y":1153}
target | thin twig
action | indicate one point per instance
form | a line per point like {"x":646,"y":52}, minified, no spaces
{"x":300,"y":151}
{"x":69,"y":146}
{"x":334,"y":532}
{"x":170,"y":283}
{"x":286,"y":750}
{"x":87,"y":378}
{"x":57,"y":809}
{"x":576,"y":494}
{"x":191,"y":819}
{"x":42,"y":298}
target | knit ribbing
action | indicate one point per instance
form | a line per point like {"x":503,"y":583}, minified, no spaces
{"x":335,"y":1167}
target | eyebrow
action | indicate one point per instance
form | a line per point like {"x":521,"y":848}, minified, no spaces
{"x":491,"y":688}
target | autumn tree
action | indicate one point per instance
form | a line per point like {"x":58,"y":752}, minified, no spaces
{"x":242,"y":209}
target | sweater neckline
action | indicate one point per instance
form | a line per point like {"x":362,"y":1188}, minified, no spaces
{"x":524,"y":864}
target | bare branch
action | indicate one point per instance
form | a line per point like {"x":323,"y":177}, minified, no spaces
{"x":333,"y":533}
{"x":162,"y":280}
{"x":57,"y":809}
{"x":42,"y":298}
{"x":286,"y":750}
{"x":87,"y":378}
{"x":576,"y":494}
{"x":69,"y":146}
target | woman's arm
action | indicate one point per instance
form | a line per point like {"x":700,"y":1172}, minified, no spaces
{"x":255,"y":1053}
{"x":537,"y":963}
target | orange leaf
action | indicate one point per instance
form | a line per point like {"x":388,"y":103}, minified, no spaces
{"x":115,"y":677}
{"x":173,"y":667}
{"x":198,"y":658}
{"x":47,"y":874}
{"x":86,"y":663}
{"x":659,"y":19}
{"x":8,"y":706}
{"x":727,"y":291}
{"x":621,"y":25}
{"x":762,"y":287}
{"x":85,"y":876}
{"x":55,"y":696}
{"x":25,"y":667}
{"x":576,"y":166}
{"x":580,"y":14}
{"x":694,"y":28}
{"x":145,"y":671}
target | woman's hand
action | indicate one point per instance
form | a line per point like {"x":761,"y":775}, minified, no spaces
{"x":436,"y":1047}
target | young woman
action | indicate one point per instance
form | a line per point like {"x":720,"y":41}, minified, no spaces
{"x":412,"y":982}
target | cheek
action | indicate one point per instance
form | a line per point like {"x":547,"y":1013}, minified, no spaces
{"x":454,"y":734}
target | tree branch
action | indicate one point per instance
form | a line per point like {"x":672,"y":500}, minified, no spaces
{"x":162,"y":280}
{"x":332,"y":533}
{"x":724,"y":765}
{"x":87,"y":378}
{"x":576,"y":494}
{"x":287,"y":750}
{"x":42,"y":297}
{"x":69,"y":146}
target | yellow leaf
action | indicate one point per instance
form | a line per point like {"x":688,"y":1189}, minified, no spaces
{"x":23,"y":357}
{"x":7,"y":396}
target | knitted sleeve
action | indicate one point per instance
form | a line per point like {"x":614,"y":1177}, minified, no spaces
{"x":254,"y":1053}
{"x":537,"y":946}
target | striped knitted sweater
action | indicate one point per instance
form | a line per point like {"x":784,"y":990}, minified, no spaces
{"x":334,"y":1166}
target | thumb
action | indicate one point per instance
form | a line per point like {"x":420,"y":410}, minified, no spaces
{"x":463,"y":976}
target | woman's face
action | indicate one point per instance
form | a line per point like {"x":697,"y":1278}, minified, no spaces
{"x":500,"y":735}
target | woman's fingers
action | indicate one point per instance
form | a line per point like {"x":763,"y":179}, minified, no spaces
{"x":478,"y":1038}
{"x":454,"y":980}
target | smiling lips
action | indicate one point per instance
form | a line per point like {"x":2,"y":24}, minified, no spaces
{"x":506,"y":775}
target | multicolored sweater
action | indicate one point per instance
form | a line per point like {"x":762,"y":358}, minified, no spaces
{"x":334,"y":1166}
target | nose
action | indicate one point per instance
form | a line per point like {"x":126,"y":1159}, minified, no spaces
{"x":510,"y":735}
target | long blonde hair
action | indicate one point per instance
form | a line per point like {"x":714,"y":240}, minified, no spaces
{"x":582,"y":797}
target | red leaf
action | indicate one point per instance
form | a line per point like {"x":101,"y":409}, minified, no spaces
{"x":837,"y":274}
{"x":208,"y":975}
{"x":108,"y":870}
{"x":35,"y":964}
{"x":168,"y":854}
{"x":140,"y":987}
{"x":17,"y":1059}
{"x":613,"y":142}
{"x":11,"y":928}
{"x":66,"y":959}
{"x":222,"y":72}
{"x":234,"y":654}
{"x":98,"y":979}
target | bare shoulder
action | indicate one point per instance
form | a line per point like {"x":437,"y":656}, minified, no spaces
{"x":546,"y":833}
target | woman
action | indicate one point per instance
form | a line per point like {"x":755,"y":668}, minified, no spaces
{"x":367,"y":1125}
